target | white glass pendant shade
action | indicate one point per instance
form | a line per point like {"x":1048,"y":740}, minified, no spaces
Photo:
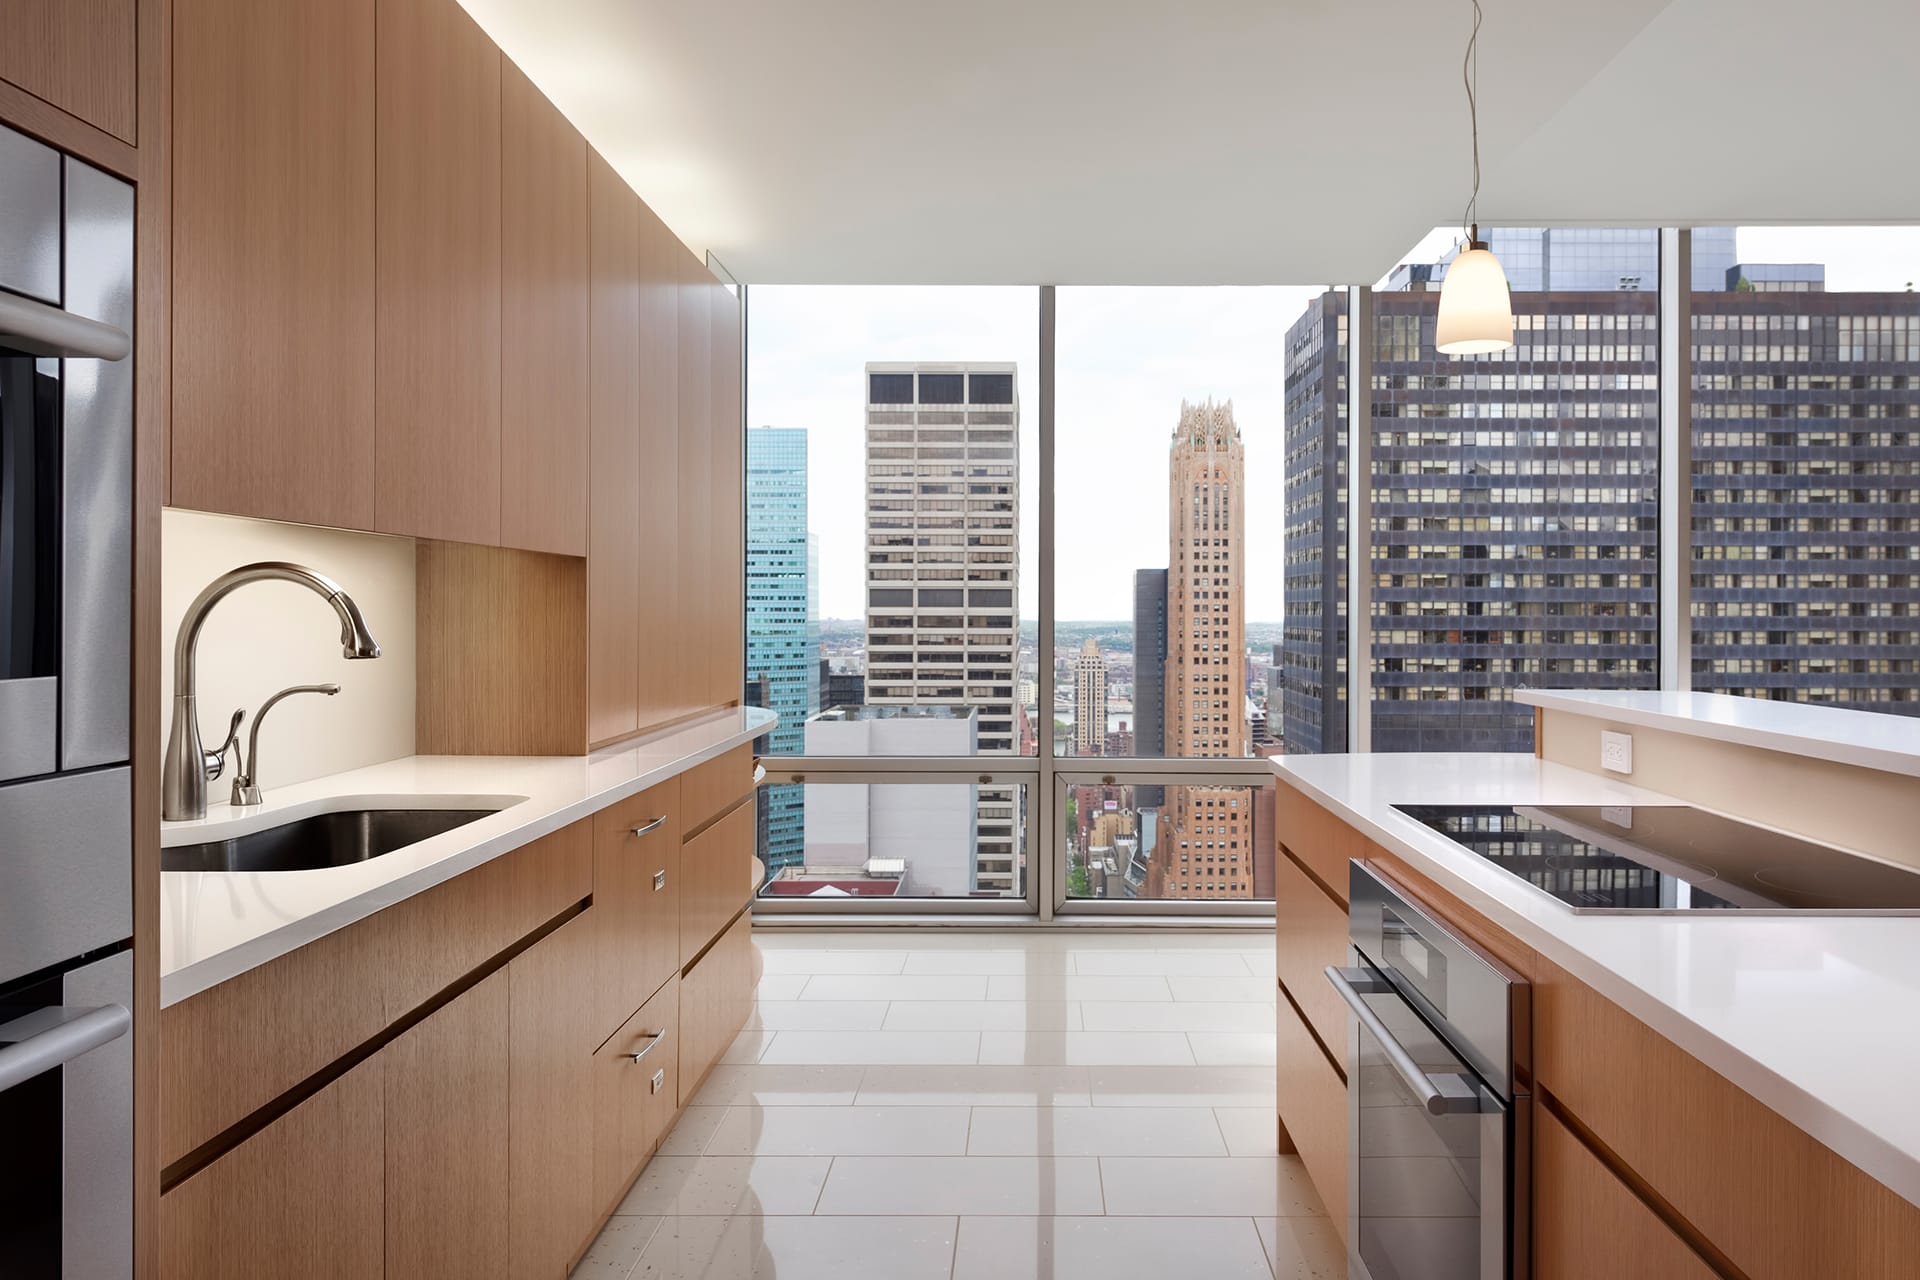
{"x":1476,"y":307}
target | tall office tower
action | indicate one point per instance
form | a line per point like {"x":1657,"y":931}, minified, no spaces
{"x":783,"y":618}
{"x":1149,"y":659}
{"x":943,"y":552}
{"x":1207,"y":850}
{"x":1089,"y":701}
{"x":1584,"y":260}
{"x":1313,"y":663}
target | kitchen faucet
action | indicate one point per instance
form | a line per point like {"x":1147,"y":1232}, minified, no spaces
{"x":246,"y":773}
{"x":189,"y":765}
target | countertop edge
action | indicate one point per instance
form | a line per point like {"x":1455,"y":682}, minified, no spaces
{"x":1848,"y":1137}
{"x":204,"y":974}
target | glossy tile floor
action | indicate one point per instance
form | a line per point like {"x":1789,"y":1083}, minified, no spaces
{"x":937,"y":1105}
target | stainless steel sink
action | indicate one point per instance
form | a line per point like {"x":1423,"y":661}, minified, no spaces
{"x":322,"y":840}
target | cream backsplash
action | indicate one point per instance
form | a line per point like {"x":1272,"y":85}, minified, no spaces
{"x":269,"y":635}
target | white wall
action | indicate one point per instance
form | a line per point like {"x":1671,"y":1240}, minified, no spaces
{"x":269,"y":635}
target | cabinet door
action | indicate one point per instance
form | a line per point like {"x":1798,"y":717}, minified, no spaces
{"x":635,"y":1100}
{"x":437,"y":413}
{"x":301,"y":1199}
{"x":550,"y":1117}
{"x":636,"y":896}
{"x":613,"y":494}
{"x":78,"y":55}
{"x":699,"y":593}
{"x":716,"y":878}
{"x":1587,"y":1225}
{"x":446,"y":1108}
{"x":661,"y":678}
{"x":544,"y":345}
{"x":716,"y":995}
{"x":273,"y":233}
{"x":726,"y":668}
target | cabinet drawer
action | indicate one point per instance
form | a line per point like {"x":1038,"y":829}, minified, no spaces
{"x":716,"y":874}
{"x":636,"y":897}
{"x":710,"y":789}
{"x":1321,"y":843}
{"x":634,"y":1102}
{"x":1310,"y":934}
{"x":716,"y":996}
{"x":1313,"y":1107}
{"x":1588,"y":1225}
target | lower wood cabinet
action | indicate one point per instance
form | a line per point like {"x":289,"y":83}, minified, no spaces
{"x":716,"y":879}
{"x":550,"y":1120}
{"x":300,"y":1200}
{"x":636,"y":900}
{"x":1313,"y":1111}
{"x":1588,"y":1225}
{"x":636,"y":1091}
{"x":447,"y":1095}
{"x":716,"y":996}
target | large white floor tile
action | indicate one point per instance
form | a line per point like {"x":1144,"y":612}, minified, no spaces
{"x":896,"y":987}
{"x":1244,"y":990}
{"x":975,"y":1086}
{"x":1177,"y":1087}
{"x":780,"y":1086}
{"x":709,"y":1185}
{"x":1162,"y":964}
{"x":692,"y":1132}
{"x":781,"y":986}
{"x":813,"y":961}
{"x":1094,"y":1131}
{"x":1086,"y":1048}
{"x":800,"y":1249}
{"x":842,"y":1131}
{"x":747,"y":1047}
{"x":985,"y":1015}
{"x":1204,"y":1188}
{"x":1075,"y":987}
{"x":1303,"y":1248}
{"x":987,"y":963}
{"x":1177,"y":1015}
{"x":1232,"y":1048}
{"x":1108,"y":1249}
{"x":827,"y":1015}
{"x":1250,"y":1131}
{"x":875,"y":1048}
{"x":961,"y":1185}
{"x":617,"y":1251}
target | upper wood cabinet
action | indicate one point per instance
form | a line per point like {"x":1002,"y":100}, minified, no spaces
{"x":77,"y":55}
{"x":613,"y":479}
{"x":273,"y":262}
{"x":664,"y":677}
{"x":545,"y":272}
{"x":698,"y":558}
{"x":437,"y":384}
{"x":726,"y":658}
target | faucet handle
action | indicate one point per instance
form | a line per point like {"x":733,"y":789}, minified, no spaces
{"x":215,"y":761}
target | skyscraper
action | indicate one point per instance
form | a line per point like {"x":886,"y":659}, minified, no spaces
{"x":1150,"y":659}
{"x":1089,"y":701}
{"x":943,"y":590}
{"x":783,"y":617}
{"x":1207,"y":849}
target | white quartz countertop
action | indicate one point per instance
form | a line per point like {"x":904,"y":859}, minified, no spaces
{"x":1816,"y":1016}
{"x":1868,"y":739}
{"x":215,"y":925}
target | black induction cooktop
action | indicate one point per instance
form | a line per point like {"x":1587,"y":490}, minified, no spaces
{"x":1669,"y":858}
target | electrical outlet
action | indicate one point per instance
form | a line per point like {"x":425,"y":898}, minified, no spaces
{"x":1616,"y":751}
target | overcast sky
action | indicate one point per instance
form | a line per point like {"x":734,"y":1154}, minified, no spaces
{"x":1127,"y":357}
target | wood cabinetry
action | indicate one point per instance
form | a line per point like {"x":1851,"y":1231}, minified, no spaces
{"x":697,"y":559}
{"x":1311,"y":934}
{"x":273,"y":259}
{"x":301,"y":1199}
{"x":550,"y":1124}
{"x":716,"y":878}
{"x":634,"y":1097}
{"x":437,"y":371}
{"x":75,"y":55}
{"x":666,"y":689}
{"x":446,"y":1127}
{"x":636,"y":900}
{"x":1588,"y":1225}
{"x":726,"y":513}
{"x":614,"y":369}
{"x":544,"y":274}
{"x":716,"y":995}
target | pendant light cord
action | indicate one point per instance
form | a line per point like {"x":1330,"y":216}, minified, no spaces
{"x":1470,"y":77}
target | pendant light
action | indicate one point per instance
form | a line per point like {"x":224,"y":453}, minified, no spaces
{"x":1476,"y":306}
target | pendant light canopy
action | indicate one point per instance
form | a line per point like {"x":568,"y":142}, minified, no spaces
{"x":1476,"y":306}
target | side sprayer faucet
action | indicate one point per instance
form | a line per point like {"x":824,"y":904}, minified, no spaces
{"x":189,"y":765}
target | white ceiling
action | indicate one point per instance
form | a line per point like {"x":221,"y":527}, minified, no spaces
{"x":1215,"y":141}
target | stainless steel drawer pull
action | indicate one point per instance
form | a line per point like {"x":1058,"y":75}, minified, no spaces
{"x":56,"y":1037}
{"x":642,"y":830}
{"x":653,"y":1042}
{"x":659,"y":881}
{"x":1444,"y":1094}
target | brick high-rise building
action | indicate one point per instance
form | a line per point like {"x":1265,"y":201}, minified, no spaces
{"x":1089,"y":700}
{"x":1207,"y":848}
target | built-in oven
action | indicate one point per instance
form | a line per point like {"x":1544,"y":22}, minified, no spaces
{"x":66,"y":803}
{"x":1437,"y":1096}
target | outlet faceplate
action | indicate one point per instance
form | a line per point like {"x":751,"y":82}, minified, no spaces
{"x":1616,"y":751}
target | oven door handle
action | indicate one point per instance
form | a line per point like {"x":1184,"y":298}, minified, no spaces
{"x":1447,"y":1093}
{"x":71,"y":1033}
